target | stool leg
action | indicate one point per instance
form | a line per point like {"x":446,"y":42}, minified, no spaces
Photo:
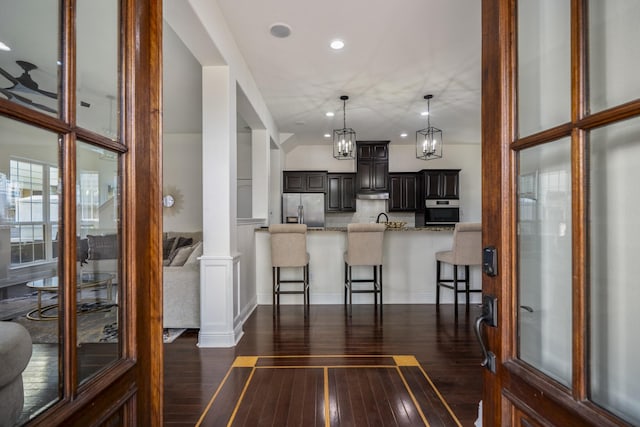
{"x":278,"y":291}
{"x":375,"y":284}
{"x":345,"y":283}
{"x":455,"y":288}
{"x":467,"y":279}
{"x":273,"y":279}
{"x":350,"y":292}
{"x":380,"y":289}
{"x":437,"y":283}
{"x":308,"y":286}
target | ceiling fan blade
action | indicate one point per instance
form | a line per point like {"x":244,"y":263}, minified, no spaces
{"x":18,"y":99}
{"x":8,"y":77}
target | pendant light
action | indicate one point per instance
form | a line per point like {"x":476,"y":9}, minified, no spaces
{"x":429,"y":140}
{"x":344,"y":140}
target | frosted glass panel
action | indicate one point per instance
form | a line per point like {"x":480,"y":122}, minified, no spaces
{"x":544,"y":258}
{"x":615,"y":268}
{"x":614,"y":52}
{"x":544,"y":66}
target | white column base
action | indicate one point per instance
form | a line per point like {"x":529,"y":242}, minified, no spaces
{"x":220,"y":326}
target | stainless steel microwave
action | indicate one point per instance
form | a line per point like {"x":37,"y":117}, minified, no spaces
{"x":441,"y":212}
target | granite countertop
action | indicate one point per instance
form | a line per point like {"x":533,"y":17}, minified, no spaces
{"x":406,"y":229}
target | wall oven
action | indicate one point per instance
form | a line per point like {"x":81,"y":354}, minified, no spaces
{"x":441,"y":212}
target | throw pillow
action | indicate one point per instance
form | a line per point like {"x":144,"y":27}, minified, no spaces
{"x":103,"y":247}
{"x":167,"y":245}
{"x":181,"y":256}
{"x":195,"y":254}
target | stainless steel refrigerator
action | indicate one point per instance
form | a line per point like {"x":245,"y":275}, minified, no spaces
{"x":304,"y":208}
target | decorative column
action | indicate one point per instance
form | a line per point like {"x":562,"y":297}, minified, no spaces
{"x":219,"y":264}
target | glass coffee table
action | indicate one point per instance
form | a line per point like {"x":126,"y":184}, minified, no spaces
{"x":50,"y":284}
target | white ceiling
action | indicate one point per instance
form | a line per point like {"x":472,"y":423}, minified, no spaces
{"x":395,"y":53}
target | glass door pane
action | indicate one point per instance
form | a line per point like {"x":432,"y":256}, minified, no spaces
{"x":97,"y":66}
{"x":544,"y":64}
{"x":544,"y":258}
{"x":29,"y":61}
{"x":98,"y":243}
{"x":615,"y":268}
{"x":29,"y":293}
{"x":614,"y":52}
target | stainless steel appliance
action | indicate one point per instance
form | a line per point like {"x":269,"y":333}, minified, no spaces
{"x":304,"y":208}
{"x":441,"y":212}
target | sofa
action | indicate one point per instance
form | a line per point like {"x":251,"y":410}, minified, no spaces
{"x":181,"y":272}
{"x":15,"y":353}
{"x":181,"y":279}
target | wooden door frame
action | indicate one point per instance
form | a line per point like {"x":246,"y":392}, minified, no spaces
{"x":517,"y":388}
{"x":132,"y":387}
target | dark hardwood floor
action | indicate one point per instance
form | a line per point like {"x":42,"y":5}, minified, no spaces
{"x":445,"y":347}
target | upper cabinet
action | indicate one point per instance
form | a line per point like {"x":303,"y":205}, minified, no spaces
{"x":373,"y":166}
{"x":304,"y":181}
{"x":341,"y":194}
{"x":403,"y":194}
{"x":441,"y":183}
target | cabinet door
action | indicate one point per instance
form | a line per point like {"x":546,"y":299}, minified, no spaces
{"x":380,"y":151}
{"x":395,"y":192}
{"x":409,"y":193}
{"x":449,"y":184}
{"x":348,"y":193}
{"x":293,"y":182}
{"x":380,"y":175}
{"x":432,"y":184}
{"x":364,"y":175}
{"x":315,"y":182}
{"x":334,"y":193}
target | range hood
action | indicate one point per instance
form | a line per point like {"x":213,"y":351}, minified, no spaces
{"x":382,"y":195}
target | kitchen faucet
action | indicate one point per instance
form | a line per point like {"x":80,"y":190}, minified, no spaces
{"x":385,"y":215}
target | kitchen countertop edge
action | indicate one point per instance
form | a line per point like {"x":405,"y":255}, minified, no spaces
{"x":405,"y":229}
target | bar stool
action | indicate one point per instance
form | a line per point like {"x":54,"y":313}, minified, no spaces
{"x":289,"y":249}
{"x":364,"y":248}
{"x":466,"y":251}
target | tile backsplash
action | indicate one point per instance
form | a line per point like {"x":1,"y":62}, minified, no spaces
{"x":367,"y":211}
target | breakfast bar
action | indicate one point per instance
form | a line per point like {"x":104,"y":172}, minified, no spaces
{"x":408,"y":274}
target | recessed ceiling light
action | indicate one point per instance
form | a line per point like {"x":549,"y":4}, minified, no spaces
{"x":4,"y":47}
{"x":327,"y":135}
{"x":329,"y":114}
{"x":424,"y":113}
{"x":403,"y":135}
{"x":337,"y":44}
{"x":280,"y":30}
{"x":300,"y":122}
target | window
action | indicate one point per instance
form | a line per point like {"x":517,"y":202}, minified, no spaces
{"x":32,"y":211}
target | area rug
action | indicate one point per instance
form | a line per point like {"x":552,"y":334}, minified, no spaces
{"x":97,"y":322}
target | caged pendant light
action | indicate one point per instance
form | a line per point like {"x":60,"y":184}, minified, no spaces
{"x":344,"y":140}
{"x":429,"y":140}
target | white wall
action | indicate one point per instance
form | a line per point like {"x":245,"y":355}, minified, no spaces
{"x":244,"y":175}
{"x":182,"y":175}
{"x":402,"y":158}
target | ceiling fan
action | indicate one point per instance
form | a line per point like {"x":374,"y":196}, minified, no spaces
{"x":24,"y":84}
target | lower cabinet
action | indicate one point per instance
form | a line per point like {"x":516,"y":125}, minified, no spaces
{"x":341,"y":194}
{"x":403,"y":191}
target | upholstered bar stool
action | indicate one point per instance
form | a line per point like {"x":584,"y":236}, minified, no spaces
{"x":466,"y":251}
{"x":289,"y":249}
{"x":364,"y":248}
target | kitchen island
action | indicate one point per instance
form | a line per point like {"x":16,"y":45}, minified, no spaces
{"x":409,"y":267}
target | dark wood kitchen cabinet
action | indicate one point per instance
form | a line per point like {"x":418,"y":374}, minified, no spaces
{"x":441,"y":183}
{"x":304,"y":181}
{"x":341,"y":192}
{"x":373,"y":166}
{"x":403,"y":194}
